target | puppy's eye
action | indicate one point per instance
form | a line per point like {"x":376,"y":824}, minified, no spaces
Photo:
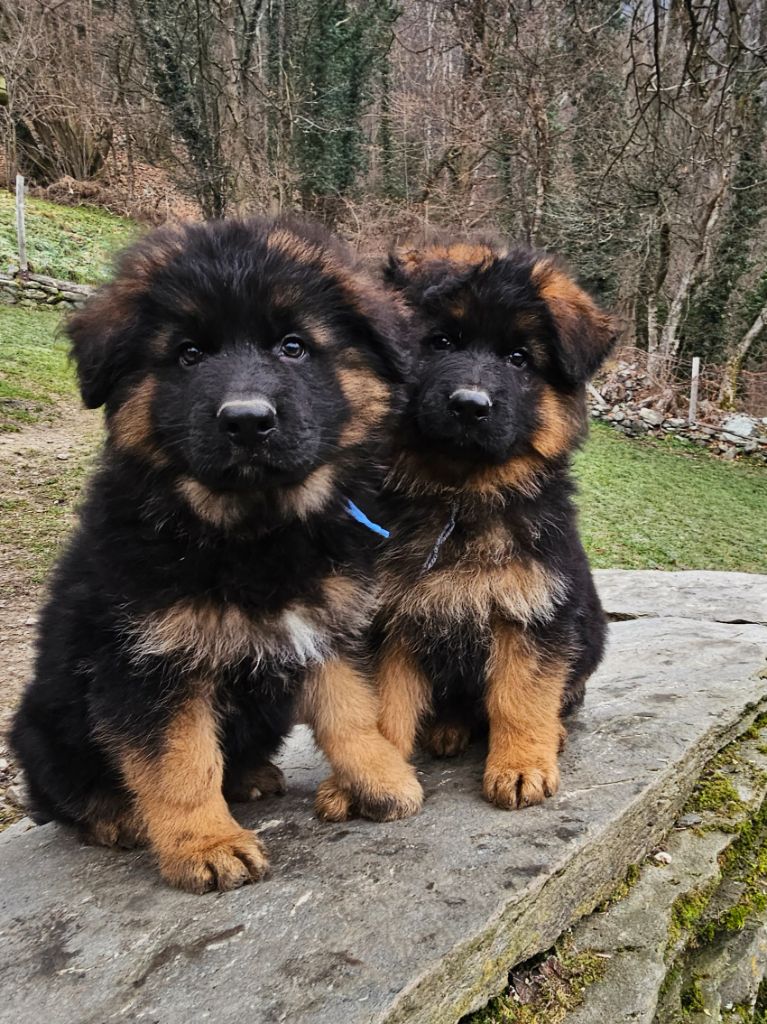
{"x":292,"y":347}
{"x":518,"y":357}
{"x":188,"y":355}
{"x":440,"y":342}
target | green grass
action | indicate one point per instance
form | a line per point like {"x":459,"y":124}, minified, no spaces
{"x":660,"y":505}
{"x":73,"y":243}
{"x":35,"y":374}
{"x":38,"y":498}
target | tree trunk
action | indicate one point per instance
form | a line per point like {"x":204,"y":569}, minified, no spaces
{"x":729,"y":389}
{"x":669,"y":337}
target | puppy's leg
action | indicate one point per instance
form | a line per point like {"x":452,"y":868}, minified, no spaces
{"x":523,"y":698}
{"x":370,"y":775}
{"x":178,"y":794}
{"x":403,"y":693}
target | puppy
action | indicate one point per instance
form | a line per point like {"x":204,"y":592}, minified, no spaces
{"x":217,"y":585}
{"x":489,"y":616}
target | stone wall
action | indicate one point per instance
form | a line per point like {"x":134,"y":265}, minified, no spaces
{"x":38,"y":290}
{"x":735,"y":436}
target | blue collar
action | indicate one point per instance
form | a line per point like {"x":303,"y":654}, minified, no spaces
{"x":359,"y":515}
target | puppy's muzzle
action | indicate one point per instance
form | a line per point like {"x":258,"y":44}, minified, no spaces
{"x":247,"y":423}
{"x":470,"y":404}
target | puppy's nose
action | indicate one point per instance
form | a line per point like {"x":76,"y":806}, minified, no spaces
{"x":470,"y":404}
{"x":247,"y":422}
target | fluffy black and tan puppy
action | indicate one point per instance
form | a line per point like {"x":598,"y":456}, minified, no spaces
{"x":489,"y":615}
{"x":217,"y":585}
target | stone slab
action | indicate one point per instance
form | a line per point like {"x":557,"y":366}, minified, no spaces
{"x":415,"y":921}
{"x":709,"y":596}
{"x":646,"y":963}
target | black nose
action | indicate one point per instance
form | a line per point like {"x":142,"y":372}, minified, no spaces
{"x":470,"y":404}
{"x":247,"y":422}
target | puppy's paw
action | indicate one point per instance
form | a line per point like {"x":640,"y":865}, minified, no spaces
{"x":264,"y":780}
{"x":201,"y":864}
{"x":446,"y":739}
{"x":124,"y":829}
{"x":387,"y":801}
{"x":390,"y":801}
{"x":515,"y":786}
{"x":333,"y":802}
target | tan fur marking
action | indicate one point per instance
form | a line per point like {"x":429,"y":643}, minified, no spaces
{"x":413,"y":474}
{"x":311,"y":495}
{"x":131,"y":425}
{"x":558,"y":428}
{"x":343,"y":710}
{"x":222,"y":510}
{"x":205,"y":634}
{"x":521,"y":473}
{"x":521,"y":591}
{"x":464,"y":254}
{"x":178,"y":793}
{"x":369,"y":402}
{"x":523,"y":699}
{"x":202,"y":635}
{"x":318,"y":332}
{"x":300,"y":249}
{"x":404,"y":695}
{"x":343,"y":594}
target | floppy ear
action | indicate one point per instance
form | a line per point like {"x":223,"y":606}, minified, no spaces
{"x":99,"y":333}
{"x":586,"y":333}
{"x":103,"y":333}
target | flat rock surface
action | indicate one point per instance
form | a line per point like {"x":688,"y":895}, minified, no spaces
{"x":711,"y":596}
{"x":414,"y":921}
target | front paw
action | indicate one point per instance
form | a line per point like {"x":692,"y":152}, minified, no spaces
{"x":446,"y":739}
{"x":333,"y":802}
{"x":513,"y":786}
{"x":201,"y":864}
{"x":378,"y":801}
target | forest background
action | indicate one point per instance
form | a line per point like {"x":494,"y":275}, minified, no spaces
{"x":628,"y":137}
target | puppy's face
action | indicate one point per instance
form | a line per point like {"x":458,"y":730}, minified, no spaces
{"x":503,"y":346}
{"x":241,"y":354}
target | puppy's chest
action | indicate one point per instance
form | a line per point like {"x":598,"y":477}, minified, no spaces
{"x":454,"y":567}
{"x":210,"y":635}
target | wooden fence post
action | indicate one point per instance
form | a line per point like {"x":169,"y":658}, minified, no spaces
{"x":694,"y":389}
{"x":21,"y":229}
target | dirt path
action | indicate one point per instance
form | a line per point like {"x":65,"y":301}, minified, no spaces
{"x":42,"y":469}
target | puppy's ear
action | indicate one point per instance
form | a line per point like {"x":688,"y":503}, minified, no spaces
{"x":586,"y":333}
{"x":403,"y":266}
{"x":105,"y":333}
{"x":100,"y":336}
{"x":455,"y":262}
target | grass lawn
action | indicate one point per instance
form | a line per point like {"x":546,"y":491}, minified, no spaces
{"x":74,"y":243}
{"x":668,"y":505}
{"x":35,"y":373}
